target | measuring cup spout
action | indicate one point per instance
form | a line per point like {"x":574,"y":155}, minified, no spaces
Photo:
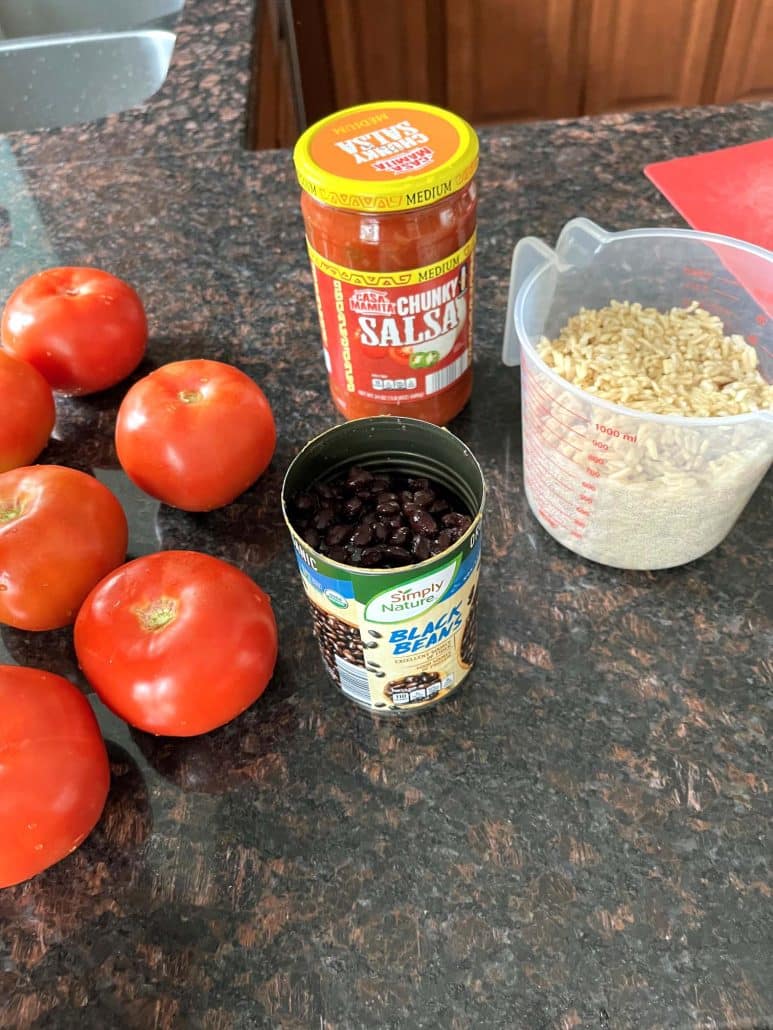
{"x":579,"y":242}
{"x":530,"y":256}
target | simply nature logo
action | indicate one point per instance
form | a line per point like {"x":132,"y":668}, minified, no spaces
{"x":408,"y":600}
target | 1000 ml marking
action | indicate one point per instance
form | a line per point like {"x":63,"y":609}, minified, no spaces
{"x":611,"y":431}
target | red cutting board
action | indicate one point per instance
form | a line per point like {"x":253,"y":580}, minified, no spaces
{"x":726,"y":191}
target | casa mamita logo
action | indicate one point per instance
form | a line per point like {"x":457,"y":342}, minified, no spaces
{"x":411,"y":599}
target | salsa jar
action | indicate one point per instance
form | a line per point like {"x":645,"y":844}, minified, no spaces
{"x":389,"y":206}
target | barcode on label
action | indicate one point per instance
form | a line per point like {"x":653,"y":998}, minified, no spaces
{"x":440,"y":380}
{"x":354,"y":681}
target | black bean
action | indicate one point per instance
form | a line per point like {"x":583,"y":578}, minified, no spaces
{"x":337,"y":534}
{"x":454,"y":518}
{"x":362,"y":535}
{"x":378,"y":519}
{"x":358,"y":477}
{"x":420,"y":548}
{"x":381,"y":532}
{"x":400,"y":537}
{"x":397,"y":554}
{"x":324,"y":518}
{"x":423,"y":523}
{"x":352,"y":507}
{"x":371,"y":557}
{"x":304,"y":502}
{"x":311,"y":536}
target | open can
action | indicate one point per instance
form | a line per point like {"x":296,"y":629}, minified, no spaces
{"x":394,"y":640}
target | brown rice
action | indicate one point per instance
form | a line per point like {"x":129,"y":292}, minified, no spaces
{"x":678,"y":362}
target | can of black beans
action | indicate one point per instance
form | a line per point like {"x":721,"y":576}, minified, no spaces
{"x":385,"y":518}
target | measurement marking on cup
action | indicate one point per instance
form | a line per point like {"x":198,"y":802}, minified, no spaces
{"x":617,"y":433}
{"x":542,"y":412}
{"x":547,"y":470}
{"x":542,"y":424}
{"x":538,"y":416}
{"x":553,"y":400}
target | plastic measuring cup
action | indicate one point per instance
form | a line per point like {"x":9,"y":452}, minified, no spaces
{"x":620,"y":486}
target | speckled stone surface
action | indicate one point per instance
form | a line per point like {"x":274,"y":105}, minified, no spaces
{"x":579,"y":839}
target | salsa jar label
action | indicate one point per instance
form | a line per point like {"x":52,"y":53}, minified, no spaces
{"x":396,"y":336}
{"x":401,"y":641}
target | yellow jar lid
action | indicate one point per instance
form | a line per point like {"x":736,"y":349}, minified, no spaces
{"x":386,"y":156}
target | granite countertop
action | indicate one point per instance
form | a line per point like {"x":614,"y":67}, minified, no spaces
{"x":578,"y":838}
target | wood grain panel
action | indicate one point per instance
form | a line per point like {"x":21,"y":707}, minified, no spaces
{"x":746,"y":68}
{"x":392,"y":49}
{"x":648,"y":53}
{"x":509,"y":60}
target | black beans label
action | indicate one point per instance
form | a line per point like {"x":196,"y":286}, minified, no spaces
{"x":396,"y":640}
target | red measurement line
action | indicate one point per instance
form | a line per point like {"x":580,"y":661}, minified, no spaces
{"x":541,"y":461}
{"x":571,"y":429}
{"x":553,"y":400}
{"x":535,"y":418}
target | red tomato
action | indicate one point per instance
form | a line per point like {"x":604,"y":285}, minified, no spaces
{"x":61,"y":531}
{"x":54,"y":773}
{"x":195,"y":434}
{"x":82,"y":329}
{"x":28,"y":413}
{"x":177,"y":642}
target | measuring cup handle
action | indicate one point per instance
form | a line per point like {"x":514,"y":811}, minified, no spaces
{"x":529,"y":256}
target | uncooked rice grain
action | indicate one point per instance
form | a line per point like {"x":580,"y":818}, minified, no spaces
{"x":678,"y":362}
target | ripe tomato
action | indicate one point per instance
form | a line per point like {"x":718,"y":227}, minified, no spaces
{"x":28,"y":413}
{"x":195,"y":434}
{"x":177,"y":642}
{"x":82,"y":329}
{"x":61,"y":531}
{"x":54,"y":773}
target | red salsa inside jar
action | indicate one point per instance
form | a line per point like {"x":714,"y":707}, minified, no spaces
{"x":389,"y":205}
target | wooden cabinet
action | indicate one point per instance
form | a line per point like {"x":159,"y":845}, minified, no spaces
{"x":746,"y":62}
{"x":510,"y":60}
{"x":648,"y":53}
{"x":274,"y":118}
{"x":386,"y":49}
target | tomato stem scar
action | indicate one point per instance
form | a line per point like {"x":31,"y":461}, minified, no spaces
{"x":9,"y":512}
{"x":157,"y":614}
{"x":189,"y":396}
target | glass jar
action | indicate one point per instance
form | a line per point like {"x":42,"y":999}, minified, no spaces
{"x":389,"y":205}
